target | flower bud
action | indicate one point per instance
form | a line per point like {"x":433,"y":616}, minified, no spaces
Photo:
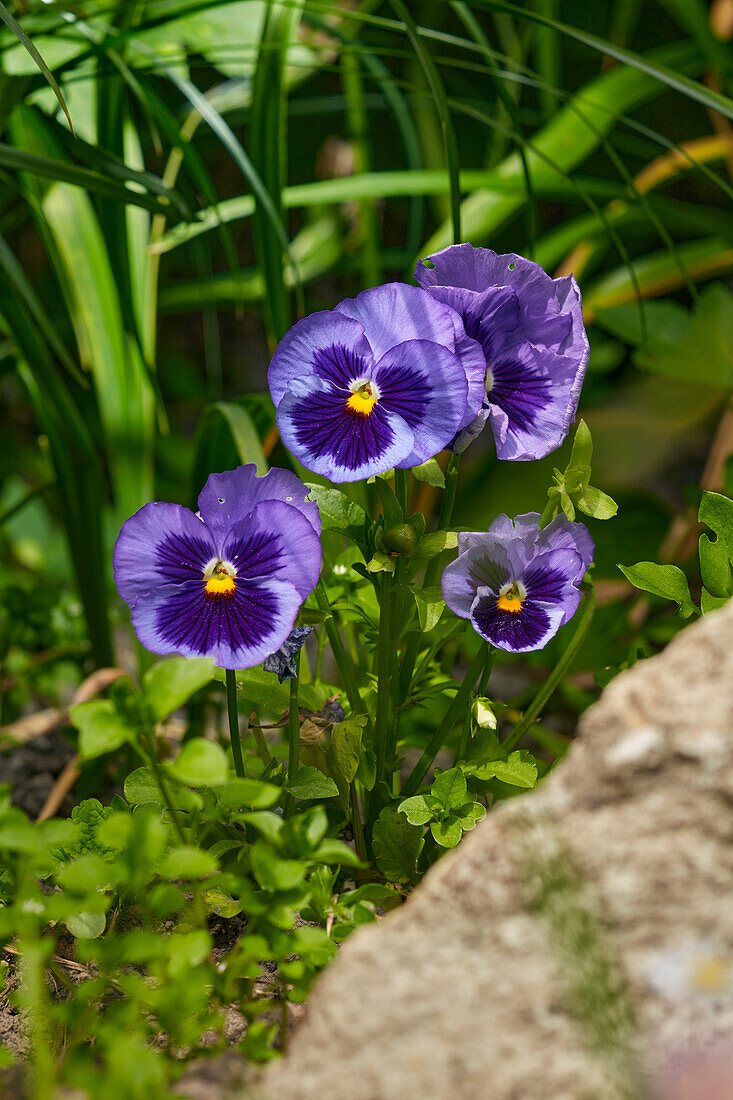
{"x":401,"y":539}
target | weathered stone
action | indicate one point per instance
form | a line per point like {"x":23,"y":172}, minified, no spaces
{"x":554,"y":953}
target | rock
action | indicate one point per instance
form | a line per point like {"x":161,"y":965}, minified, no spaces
{"x":578,"y":945}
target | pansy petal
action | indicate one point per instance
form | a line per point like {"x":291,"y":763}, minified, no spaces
{"x":396,"y":312}
{"x":486,"y":565}
{"x":331,"y":439}
{"x":160,"y":544}
{"x":517,"y":632}
{"x":562,"y":534}
{"x":275,"y":540}
{"x":236,"y":631}
{"x":326,"y":344}
{"x":424,"y":384}
{"x":548,"y":580}
{"x":503,"y":529}
{"x":228,"y":497}
{"x":538,"y":392}
{"x":465,"y":436}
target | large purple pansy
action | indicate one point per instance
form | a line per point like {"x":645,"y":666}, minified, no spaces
{"x":386,"y":379}
{"x":535,"y":348}
{"x":227,"y":582}
{"x":518,"y":585}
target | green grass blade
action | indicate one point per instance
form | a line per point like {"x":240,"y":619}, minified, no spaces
{"x":643,"y":63}
{"x":13,"y":25}
{"x":438,"y":92}
{"x":564,"y":142}
{"x":268,"y":147}
{"x":66,"y":216}
{"x":79,"y":482}
{"x":226,"y":436}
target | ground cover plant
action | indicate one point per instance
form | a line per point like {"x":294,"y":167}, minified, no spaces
{"x":366,"y":382}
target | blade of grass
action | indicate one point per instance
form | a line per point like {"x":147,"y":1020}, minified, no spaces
{"x":268,"y":149}
{"x":13,"y":25}
{"x":438,"y":92}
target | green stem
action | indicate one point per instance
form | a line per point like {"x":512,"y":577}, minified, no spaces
{"x":340,"y":656}
{"x":543,"y":695}
{"x":234,"y":722}
{"x":359,"y":841}
{"x":401,"y":487}
{"x":263,"y":749}
{"x":460,"y":702}
{"x":432,"y":571}
{"x":482,"y":688}
{"x":293,"y":735}
{"x":160,"y":780}
{"x":384,"y":669}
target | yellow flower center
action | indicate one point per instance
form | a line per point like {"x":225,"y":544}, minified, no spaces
{"x":221,"y":585}
{"x":512,"y":598}
{"x":219,"y":578}
{"x":362,"y":401}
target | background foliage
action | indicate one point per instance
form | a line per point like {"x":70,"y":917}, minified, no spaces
{"x":234,"y":165}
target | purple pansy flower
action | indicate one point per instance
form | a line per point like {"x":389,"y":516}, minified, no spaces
{"x":530,"y":328}
{"x":384,"y":380}
{"x":227,"y":582}
{"x":518,"y":585}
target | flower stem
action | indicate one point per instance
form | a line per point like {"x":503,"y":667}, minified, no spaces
{"x":384,"y":669}
{"x":454,"y":710}
{"x":359,"y":842}
{"x":293,"y":735}
{"x":340,"y":656}
{"x":160,"y":780}
{"x":432,"y":571}
{"x":234,"y":722}
{"x":543,"y":695}
{"x":401,"y":489}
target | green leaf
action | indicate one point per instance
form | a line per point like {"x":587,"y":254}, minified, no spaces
{"x":582,"y":451}
{"x":431,"y":473}
{"x":430,"y":606}
{"x":390,"y":505}
{"x":716,"y":511}
{"x":470,"y":814}
{"x":169,"y":684}
{"x":416,"y":809}
{"x":715,"y":567}
{"x":338,"y":513}
{"x":141,"y":786}
{"x":519,"y":769}
{"x":344,"y":751}
{"x":447,"y":833}
{"x":435,"y":543}
{"x":380,"y":563}
{"x":101,"y":728}
{"x":397,"y":846}
{"x":201,"y":763}
{"x":595,"y":503}
{"x":332,"y":850}
{"x":696,"y":345}
{"x":710,"y":603}
{"x":450,"y":788}
{"x":667,"y":581}
{"x":187,"y":951}
{"x":252,"y":793}
{"x":273,"y":873}
{"x":311,"y":783}
{"x":188,"y":861}
{"x":86,"y":926}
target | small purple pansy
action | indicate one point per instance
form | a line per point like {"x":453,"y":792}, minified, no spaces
{"x":516,"y":583}
{"x":386,"y":379}
{"x":535,"y":348}
{"x":227,"y":582}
